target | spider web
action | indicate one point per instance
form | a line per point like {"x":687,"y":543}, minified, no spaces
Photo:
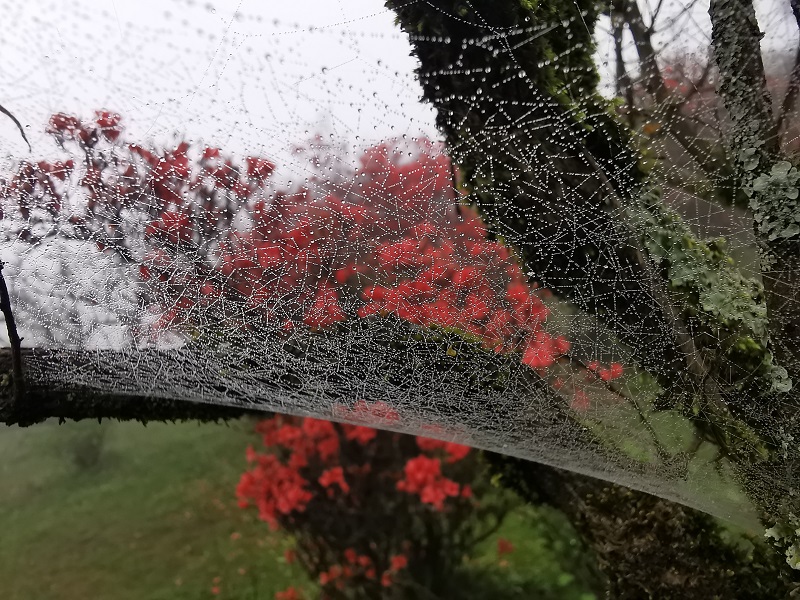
{"x":343,"y":268}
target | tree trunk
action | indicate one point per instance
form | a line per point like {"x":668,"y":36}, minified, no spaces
{"x":648,"y":547}
{"x":773,"y":190}
{"x":547,"y":183}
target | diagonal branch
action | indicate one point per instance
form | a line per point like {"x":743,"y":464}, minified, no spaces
{"x":17,"y":123}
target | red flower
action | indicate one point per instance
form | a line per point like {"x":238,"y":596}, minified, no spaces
{"x":614,"y":371}
{"x":538,"y":355}
{"x":274,"y":488}
{"x":517,"y":293}
{"x":209,"y":153}
{"x":466,"y":277}
{"x":148,"y":156}
{"x":259,"y":168}
{"x":60,"y":122}
{"x":398,"y":561}
{"x":335,"y":571}
{"x":325,"y":310}
{"x":504,"y":547}
{"x":359,"y":434}
{"x":455,"y":452}
{"x":334,"y":476}
{"x":423,"y":476}
{"x":173,"y":226}
{"x":108,"y":123}
{"x":290,"y":593}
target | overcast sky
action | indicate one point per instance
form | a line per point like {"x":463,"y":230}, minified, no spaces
{"x":250,"y":75}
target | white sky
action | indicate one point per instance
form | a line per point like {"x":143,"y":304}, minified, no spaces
{"x":248,"y":76}
{"x":254,"y":76}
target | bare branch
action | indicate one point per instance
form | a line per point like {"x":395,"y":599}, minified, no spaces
{"x":18,"y":124}
{"x":654,"y":15}
{"x":654,"y":82}
{"x":13,"y":336}
{"x":624,"y":85}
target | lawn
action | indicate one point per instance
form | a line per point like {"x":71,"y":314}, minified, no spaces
{"x":156,"y":518}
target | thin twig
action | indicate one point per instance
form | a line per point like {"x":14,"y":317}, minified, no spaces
{"x":700,"y":82}
{"x":13,"y":336}
{"x":18,"y":124}
{"x":454,"y":184}
{"x":654,"y":15}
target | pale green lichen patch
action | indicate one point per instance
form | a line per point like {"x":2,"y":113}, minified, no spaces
{"x":786,"y":536}
{"x":727,"y":310}
{"x":773,"y":199}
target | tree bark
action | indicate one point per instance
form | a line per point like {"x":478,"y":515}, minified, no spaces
{"x":648,"y":547}
{"x":547,"y":182}
{"x":772,"y":184}
{"x":754,"y":141}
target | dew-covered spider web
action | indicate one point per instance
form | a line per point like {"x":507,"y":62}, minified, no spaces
{"x":513,"y":225}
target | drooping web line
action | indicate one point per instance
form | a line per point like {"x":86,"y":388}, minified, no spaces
{"x":257,"y":209}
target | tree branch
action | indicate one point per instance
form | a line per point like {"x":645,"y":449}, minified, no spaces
{"x":13,"y":337}
{"x":18,"y":124}
{"x":654,"y":82}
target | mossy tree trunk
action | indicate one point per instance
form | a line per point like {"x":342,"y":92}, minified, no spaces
{"x":534,"y":167}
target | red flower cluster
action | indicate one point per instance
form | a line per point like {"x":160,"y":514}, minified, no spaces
{"x":454,"y":452}
{"x":304,"y":253}
{"x":334,"y":476}
{"x":614,"y":371}
{"x":457,"y":279}
{"x":275,"y":488}
{"x":354,"y":469}
{"x":304,"y":439}
{"x":423,"y":476}
{"x":397,"y":243}
{"x":290,"y":593}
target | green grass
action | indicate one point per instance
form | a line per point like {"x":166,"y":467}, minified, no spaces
{"x":156,"y":518}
